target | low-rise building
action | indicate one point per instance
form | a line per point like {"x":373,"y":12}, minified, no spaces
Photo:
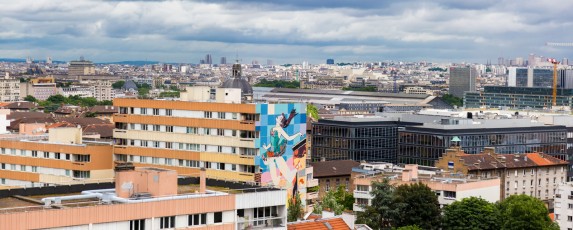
{"x":41,"y":88}
{"x":448,"y":188}
{"x":331,"y":174}
{"x":61,"y":157}
{"x":149,"y":198}
{"x":534,"y":174}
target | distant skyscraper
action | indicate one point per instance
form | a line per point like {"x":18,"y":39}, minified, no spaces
{"x":255,"y":62}
{"x":531,"y":60}
{"x":519,"y":61}
{"x":208,"y":59}
{"x":49,"y":60}
{"x":462,"y":79}
{"x":500,"y":61}
{"x":565,"y":61}
{"x":330,"y":61}
{"x":223,"y":60}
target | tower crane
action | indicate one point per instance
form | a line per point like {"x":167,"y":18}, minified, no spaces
{"x":555,"y":63}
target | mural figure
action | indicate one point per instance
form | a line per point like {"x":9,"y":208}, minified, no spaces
{"x":273,"y":156}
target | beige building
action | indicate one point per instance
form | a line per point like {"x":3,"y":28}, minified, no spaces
{"x":61,"y":157}
{"x":449,"y":188}
{"x":41,"y":88}
{"x":81,"y":67}
{"x":102,"y":90}
{"x":534,"y":174}
{"x":9,"y":89}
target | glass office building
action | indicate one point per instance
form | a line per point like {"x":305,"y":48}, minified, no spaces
{"x":424,"y":145}
{"x":359,"y":139}
{"x":517,"y":97}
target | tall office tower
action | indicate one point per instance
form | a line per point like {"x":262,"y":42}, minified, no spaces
{"x":29,"y":60}
{"x":330,"y":61}
{"x":269,"y":62}
{"x":530,"y":77}
{"x":462,"y":79}
{"x":519,"y":61}
{"x":531,"y":60}
{"x":500,"y":61}
{"x":49,"y":60}
{"x":208,"y":59}
{"x":223,"y":60}
{"x":565,"y":61}
{"x":255,"y":62}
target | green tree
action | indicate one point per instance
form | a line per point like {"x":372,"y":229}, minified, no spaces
{"x":57,"y":99}
{"x":378,"y":214}
{"x":470,"y":213}
{"x":312,"y":111}
{"x":416,"y":204}
{"x":118,"y":84}
{"x":453,"y":100}
{"x":409,"y":227}
{"x":90,"y":114}
{"x":30,"y":98}
{"x":524,"y":212}
{"x":105,"y":102}
{"x":343,"y":197}
{"x":294,"y":211}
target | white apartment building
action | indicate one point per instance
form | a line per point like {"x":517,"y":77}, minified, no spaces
{"x":82,"y":91}
{"x":102,"y":90}
{"x":563,"y":206}
{"x":9,"y":89}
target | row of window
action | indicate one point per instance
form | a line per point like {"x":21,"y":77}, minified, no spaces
{"x":186,"y":163}
{"x":178,"y":113}
{"x":169,"y":221}
{"x":516,"y":183}
{"x":34,"y":169}
{"x":47,"y":155}
{"x":187,"y":146}
{"x":188,"y":130}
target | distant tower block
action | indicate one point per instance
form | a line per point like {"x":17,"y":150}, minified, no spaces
{"x":223,"y":60}
{"x":330,"y":61}
{"x":49,"y":60}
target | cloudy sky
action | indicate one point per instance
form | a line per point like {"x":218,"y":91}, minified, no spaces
{"x":285,"y":31}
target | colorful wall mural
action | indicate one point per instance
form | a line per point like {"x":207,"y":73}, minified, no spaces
{"x":282,"y":146}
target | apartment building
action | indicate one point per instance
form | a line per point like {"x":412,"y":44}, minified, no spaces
{"x":232,"y":140}
{"x":77,"y":90}
{"x":41,"y":88}
{"x":448,"y":188}
{"x":102,"y":90}
{"x":563,"y":206}
{"x":9,"y":89}
{"x":534,"y":174}
{"x":150,"y":198}
{"x":61,"y":157}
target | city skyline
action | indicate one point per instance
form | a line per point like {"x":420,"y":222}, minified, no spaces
{"x":177,"y":31}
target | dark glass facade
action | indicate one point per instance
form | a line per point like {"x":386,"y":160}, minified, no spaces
{"x":517,"y":97}
{"x":346,"y":140}
{"x":424,"y":146}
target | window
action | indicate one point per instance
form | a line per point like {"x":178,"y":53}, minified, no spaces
{"x":167,"y":222}
{"x":220,"y":132}
{"x":57,"y":155}
{"x":34,"y":168}
{"x":155,"y":160}
{"x":81,"y":174}
{"x":197,"y":219}
{"x":169,"y":112}
{"x":569,"y":218}
{"x":144,"y":127}
{"x":34,"y":153}
{"x":168,"y":161}
{"x":144,"y":143}
{"x":168,"y":145}
{"x":218,"y":217}
{"x":137,"y":224}
{"x":3,"y":165}
{"x":450,"y":194}
{"x":220,"y":149}
{"x":132,"y":126}
{"x":143,"y":110}
{"x":192,"y":130}
{"x":570,"y":206}
{"x":67,"y":156}
{"x":208,"y":114}
{"x":221,"y":115}
{"x":156,"y":128}
{"x":155,"y":111}
{"x":156,"y":144}
{"x":13,"y":151}
{"x":142,"y":159}
{"x":81,"y":158}
{"x":67,"y":172}
{"x":327,"y":188}
{"x":3,"y":151}
{"x":169,"y":129}
{"x":23,"y":168}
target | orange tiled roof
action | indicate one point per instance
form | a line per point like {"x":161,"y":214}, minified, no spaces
{"x":543,"y":159}
{"x":552,"y":216}
{"x":334,"y":223}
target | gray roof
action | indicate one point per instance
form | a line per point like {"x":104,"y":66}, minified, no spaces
{"x":238,"y":83}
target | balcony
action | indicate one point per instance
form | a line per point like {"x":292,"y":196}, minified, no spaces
{"x":362,"y":194}
{"x":312,"y":196}
{"x":358,"y":208}
{"x":312,"y":183}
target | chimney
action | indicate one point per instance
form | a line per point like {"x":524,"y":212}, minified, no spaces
{"x":406,"y":176}
{"x":202,"y":180}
